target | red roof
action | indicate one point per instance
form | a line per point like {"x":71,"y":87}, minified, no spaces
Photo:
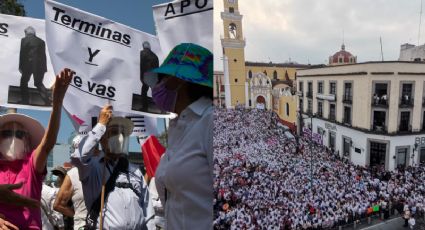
{"x":341,"y":54}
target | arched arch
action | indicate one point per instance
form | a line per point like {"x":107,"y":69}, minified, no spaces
{"x":275,"y":74}
{"x":233,"y":31}
{"x":261,"y":99}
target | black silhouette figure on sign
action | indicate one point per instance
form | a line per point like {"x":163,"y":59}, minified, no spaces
{"x":148,"y":61}
{"x":32,"y":61}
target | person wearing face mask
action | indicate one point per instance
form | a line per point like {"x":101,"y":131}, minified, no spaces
{"x":24,"y":148}
{"x":184,"y":177}
{"x":115,"y":192}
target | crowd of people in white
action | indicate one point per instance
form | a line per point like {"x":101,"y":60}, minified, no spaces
{"x":263,"y":180}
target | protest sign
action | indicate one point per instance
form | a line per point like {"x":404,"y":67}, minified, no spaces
{"x":26,"y":72}
{"x":109,"y":59}
{"x":184,"y":21}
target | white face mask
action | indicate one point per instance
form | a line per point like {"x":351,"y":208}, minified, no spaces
{"x":13,"y":149}
{"x":118,"y":144}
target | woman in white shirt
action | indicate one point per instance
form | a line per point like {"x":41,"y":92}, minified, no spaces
{"x":184,"y":177}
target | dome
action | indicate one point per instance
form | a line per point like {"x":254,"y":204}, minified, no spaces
{"x":342,"y":57}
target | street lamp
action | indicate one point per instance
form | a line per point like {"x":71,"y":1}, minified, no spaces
{"x":311,"y":147}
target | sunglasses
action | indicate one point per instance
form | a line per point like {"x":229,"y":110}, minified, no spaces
{"x":10,"y":133}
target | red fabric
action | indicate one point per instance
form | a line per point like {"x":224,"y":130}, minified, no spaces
{"x":152,"y":151}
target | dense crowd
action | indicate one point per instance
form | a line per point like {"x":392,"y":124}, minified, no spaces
{"x":263,"y":180}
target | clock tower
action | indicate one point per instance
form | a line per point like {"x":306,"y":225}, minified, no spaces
{"x":233,"y":44}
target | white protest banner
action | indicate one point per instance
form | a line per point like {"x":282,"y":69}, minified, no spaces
{"x":26,"y":73}
{"x":184,"y":21}
{"x":109,"y":60}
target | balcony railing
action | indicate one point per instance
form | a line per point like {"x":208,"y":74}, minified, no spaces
{"x":319,"y":114}
{"x":348,"y":99}
{"x":406,"y":102}
{"x":347,"y":121}
{"x":309,"y":94}
{"x":309,"y":112}
{"x":380,"y":101}
{"x":300,"y":93}
{"x":404,"y":128}
{"x":379,"y":128}
{"x":332,"y":117}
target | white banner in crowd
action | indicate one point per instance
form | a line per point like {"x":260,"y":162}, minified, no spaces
{"x":184,"y":21}
{"x":26,"y":73}
{"x":109,"y":59}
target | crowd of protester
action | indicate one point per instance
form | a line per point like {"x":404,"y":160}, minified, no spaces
{"x":263,"y":179}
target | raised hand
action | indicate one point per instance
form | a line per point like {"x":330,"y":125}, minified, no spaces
{"x":105,"y":114}
{"x":63,"y":79}
{"x":12,"y":198}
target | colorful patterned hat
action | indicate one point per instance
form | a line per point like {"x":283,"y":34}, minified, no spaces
{"x":189,"y":62}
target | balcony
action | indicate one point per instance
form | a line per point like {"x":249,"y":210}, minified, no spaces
{"x":348,"y":99}
{"x":347,"y":121}
{"x":329,"y":97}
{"x":332,"y":117}
{"x":404,"y":128}
{"x":406,"y":102}
{"x":309,"y":94}
{"x":380,"y":101}
{"x":379,"y":128}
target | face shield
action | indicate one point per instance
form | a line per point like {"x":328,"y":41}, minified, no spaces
{"x":118,"y":143}
{"x":14,"y":142}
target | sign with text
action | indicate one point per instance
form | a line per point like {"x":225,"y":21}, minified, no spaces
{"x":109,"y":60}
{"x":184,"y":21}
{"x":26,"y":72}
{"x":317,"y":138}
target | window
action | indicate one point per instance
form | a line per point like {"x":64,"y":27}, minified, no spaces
{"x":404,"y":121}
{"x":348,"y":96}
{"x":332,"y":88}
{"x":347,"y":115}
{"x":250,"y":74}
{"x":232,"y":31}
{"x":380,"y":96}
{"x":287,"y":109}
{"x":406,"y":94}
{"x":319,"y":109}
{"x":379,"y":121}
{"x":310,"y":89}
{"x":275,"y":75}
{"x":231,"y":10}
{"x":236,"y":80}
{"x":340,"y":60}
{"x":332,"y":111}
{"x":320,"y":87}
{"x":301,"y":87}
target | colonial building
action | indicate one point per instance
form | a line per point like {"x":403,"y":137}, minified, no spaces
{"x":409,"y":52}
{"x":371,"y":113}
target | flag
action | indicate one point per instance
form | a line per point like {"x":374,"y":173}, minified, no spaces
{"x":152,"y":151}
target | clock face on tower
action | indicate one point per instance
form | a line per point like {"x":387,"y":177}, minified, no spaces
{"x":231,"y":1}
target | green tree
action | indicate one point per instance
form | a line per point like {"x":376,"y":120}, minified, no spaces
{"x":13,"y":7}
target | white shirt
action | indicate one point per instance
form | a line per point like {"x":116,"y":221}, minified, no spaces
{"x":77,"y":198}
{"x":48,"y":196}
{"x":186,"y":169}
{"x":123,"y":209}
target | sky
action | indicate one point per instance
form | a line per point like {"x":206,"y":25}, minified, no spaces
{"x":309,"y":31}
{"x":136,"y":14}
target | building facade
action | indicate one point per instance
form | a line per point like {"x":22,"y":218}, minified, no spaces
{"x":371,"y":113}
{"x":409,"y":52}
{"x":218,"y":89}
